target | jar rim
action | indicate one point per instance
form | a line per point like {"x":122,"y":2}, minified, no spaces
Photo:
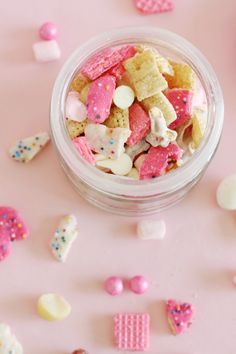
{"x":117,"y":185}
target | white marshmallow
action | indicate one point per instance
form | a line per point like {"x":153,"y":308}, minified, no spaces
{"x":46,"y":51}
{"x":226,"y":193}
{"x":75,"y":109}
{"x":151,"y":229}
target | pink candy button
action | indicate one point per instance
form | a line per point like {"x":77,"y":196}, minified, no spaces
{"x":114,"y":285}
{"x":48,"y":31}
{"x":139,"y":284}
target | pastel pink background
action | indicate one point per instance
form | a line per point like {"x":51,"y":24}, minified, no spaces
{"x":197,"y":259}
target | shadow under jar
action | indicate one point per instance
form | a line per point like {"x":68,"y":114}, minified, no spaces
{"x":122,"y":195}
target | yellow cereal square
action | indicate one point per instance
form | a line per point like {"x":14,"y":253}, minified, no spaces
{"x":184,"y":77}
{"x":84,"y":93}
{"x":199,"y":120}
{"x":159,"y":100}
{"x":79,"y":82}
{"x":118,"y":118}
{"x":75,"y":128}
{"x":145,"y":75}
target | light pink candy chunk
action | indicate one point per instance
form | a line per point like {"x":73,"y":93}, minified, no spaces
{"x":180,"y":316}
{"x":100,"y":98}
{"x":131,"y":331}
{"x":157,"y":159}
{"x":75,"y":109}
{"x":154,"y":6}
{"x":140,"y":124}
{"x":82,"y":145}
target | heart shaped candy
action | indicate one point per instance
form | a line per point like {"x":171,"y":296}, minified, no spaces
{"x":180,"y":316}
{"x":12,"y":225}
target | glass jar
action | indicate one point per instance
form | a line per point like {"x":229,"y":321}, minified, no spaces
{"x":122,"y":195}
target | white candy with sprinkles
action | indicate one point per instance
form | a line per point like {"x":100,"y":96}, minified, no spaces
{"x":8,"y":342}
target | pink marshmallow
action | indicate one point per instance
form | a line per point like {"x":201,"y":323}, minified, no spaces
{"x":75,"y":109}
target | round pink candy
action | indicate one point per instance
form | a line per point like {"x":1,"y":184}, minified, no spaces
{"x":48,"y":31}
{"x":139,"y":284}
{"x":114,"y":285}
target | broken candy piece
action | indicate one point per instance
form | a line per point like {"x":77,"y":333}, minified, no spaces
{"x":226,"y":193}
{"x":182,"y":103}
{"x":180,"y":316}
{"x":53,"y":307}
{"x":148,"y":7}
{"x":139,"y":122}
{"x":157,"y":159}
{"x":118,"y":118}
{"x":151,"y":229}
{"x":107,"y":141}
{"x":119,"y":167}
{"x":160,"y":134}
{"x":99,"y":98}
{"x":75,"y":109}
{"x":12,"y":225}
{"x":8,"y":342}
{"x":5,"y":247}
{"x":26,"y":149}
{"x":82,"y":145}
{"x":46,"y":51}
{"x":65,"y":235}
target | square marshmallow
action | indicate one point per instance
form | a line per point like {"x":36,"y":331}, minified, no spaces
{"x":46,"y":51}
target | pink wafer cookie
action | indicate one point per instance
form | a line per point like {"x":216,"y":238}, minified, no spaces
{"x":131,"y":331}
{"x":180,"y":316}
{"x":157,"y":159}
{"x":5,"y":246}
{"x":181,"y":100}
{"x":140,"y":124}
{"x":100,"y":98}
{"x":82,"y":145}
{"x":154,"y":6}
{"x":12,"y":225}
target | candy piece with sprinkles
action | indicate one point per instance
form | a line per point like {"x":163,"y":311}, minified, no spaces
{"x":12,"y":225}
{"x":5,"y":246}
{"x":149,"y":7}
{"x":9,"y":344}
{"x":26,"y":149}
{"x":64,"y":236}
{"x":99,"y":98}
{"x":180,"y":316}
{"x":181,"y":100}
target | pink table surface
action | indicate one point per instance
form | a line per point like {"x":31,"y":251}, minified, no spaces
{"x":197,"y":259}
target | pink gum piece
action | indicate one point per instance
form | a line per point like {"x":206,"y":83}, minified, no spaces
{"x":157,"y":160}
{"x":12,"y":225}
{"x":140,"y":124}
{"x":82,"y":145}
{"x":180,"y":316}
{"x":100,"y":98}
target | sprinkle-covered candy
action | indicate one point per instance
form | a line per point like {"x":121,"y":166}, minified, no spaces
{"x":9,"y":344}
{"x":181,"y":100}
{"x":26,"y":149}
{"x":139,"y":122}
{"x":12,"y":225}
{"x":180,"y":316}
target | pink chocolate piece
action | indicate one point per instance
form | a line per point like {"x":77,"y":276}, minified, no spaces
{"x":131,"y":331}
{"x":157,"y":159}
{"x":181,"y":100}
{"x":100,"y":98}
{"x":139,"y":122}
{"x":154,"y":6}
{"x":12,"y":225}
{"x":180,"y":316}
{"x":82,"y":145}
{"x":5,"y":246}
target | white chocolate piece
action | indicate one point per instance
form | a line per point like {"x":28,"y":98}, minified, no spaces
{"x":64,"y":237}
{"x":119,"y":167}
{"x":160,"y":134}
{"x":123,"y":96}
{"x":75,"y":109}
{"x":53,"y":307}
{"x":133,"y":173}
{"x":45,"y":51}
{"x":8,"y":342}
{"x":226,"y":193}
{"x":151,"y":229}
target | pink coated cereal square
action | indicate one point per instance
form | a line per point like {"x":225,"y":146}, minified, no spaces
{"x":82,"y":145}
{"x":132,"y":331}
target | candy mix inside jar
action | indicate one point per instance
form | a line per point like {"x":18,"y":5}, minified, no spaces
{"x":134,"y":112}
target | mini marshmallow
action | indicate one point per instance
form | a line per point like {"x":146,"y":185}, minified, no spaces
{"x":53,"y":307}
{"x":226,"y":193}
{"x":160,"y":134}
{"x":120,"y":167}
{"x":151,"y":229}
{"x":107,"y":141}
{"x":75,"y":109}
{"x":8,"y":342}
{"x":45,"y":51}
{"x":123,"y":97}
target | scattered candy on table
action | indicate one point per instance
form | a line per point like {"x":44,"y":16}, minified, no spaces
{"x":26,"y":149}
{"x":138,"y":284}
{"x":53,"y":307}
{"x":45,"y":51}
{"x":180,"y":316}
{"x":151,"y":229}
{"x":65,"y":235}
{"x":48,"y":31}
{"x":226,"y":193}
{"x":131,"y":331}
{"x":133,"y":101}
{"x":9,"y":344}
{"x":148,"y":7}
{"x":114,"y":285}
